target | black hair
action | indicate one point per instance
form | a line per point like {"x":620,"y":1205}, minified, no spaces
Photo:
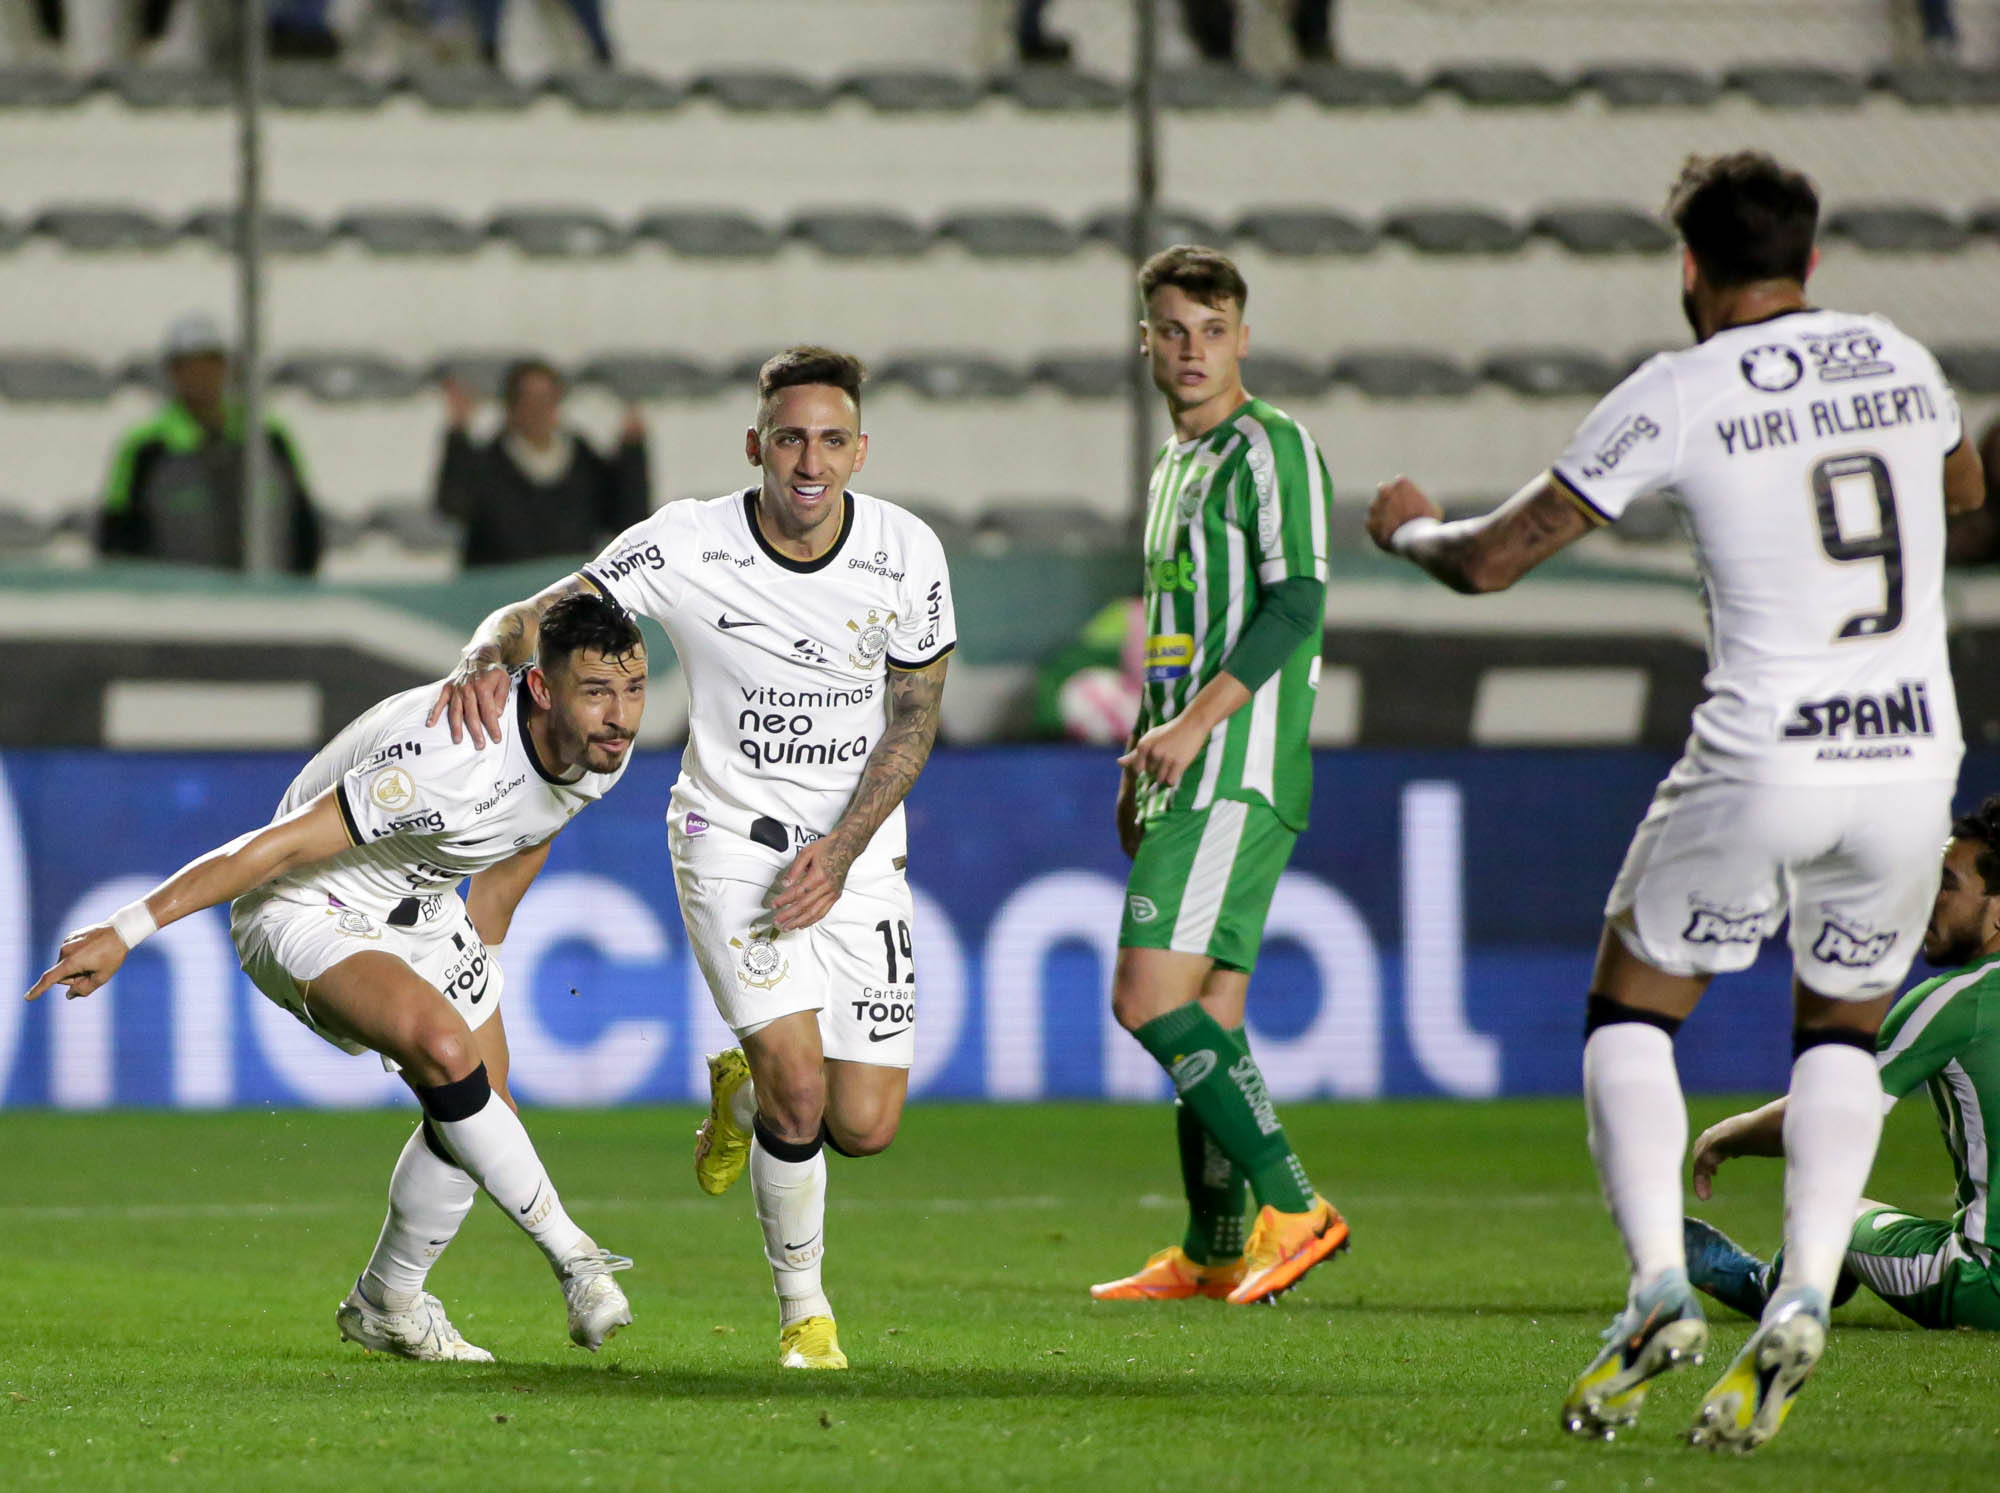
{"x":808,"y":364}
{"x":1745,"y":218}
{"x":1206,"y":275}
{"x":1982,"y":826}
{"x":583,"y":620}
{"x":520,"y":368}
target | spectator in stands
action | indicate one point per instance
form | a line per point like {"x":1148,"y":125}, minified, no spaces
{"x":1974,"y":538}
{"x":589,"y":15}
{"x":537,"y":488}
{"x":1210,"y":25}
{"x":1940,"y":21}
{"x":176,"y":485}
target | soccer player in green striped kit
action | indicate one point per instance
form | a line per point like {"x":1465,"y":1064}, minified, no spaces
{"x":1216,"y":785}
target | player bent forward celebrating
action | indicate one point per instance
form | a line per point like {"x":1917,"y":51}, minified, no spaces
{"x":346,"y":913}
{"x":1813,"y":455}
{"x":1215,"y":789}
{"x":814,"y":624}
{"x":1944,"y":1035}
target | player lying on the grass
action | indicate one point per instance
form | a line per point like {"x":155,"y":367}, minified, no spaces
{"x":1945,"y":1036}
{"x":1813,"y":455}
{"x":347,"y":913}
{"x":814,"y":625}
{"x":1215,"y":789}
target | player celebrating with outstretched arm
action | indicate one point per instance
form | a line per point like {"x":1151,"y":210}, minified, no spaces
{"x":1215,"y":788}
{"x":345,"y":912}
{"x":815,"y":625}
{"x":1814,"y":456}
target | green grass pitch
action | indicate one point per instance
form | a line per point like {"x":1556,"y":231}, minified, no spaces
{"x":166,"y":1319}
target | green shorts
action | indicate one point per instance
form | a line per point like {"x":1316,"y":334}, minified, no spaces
{"x":1924,"y":1268}
{"x":1202,"y":882}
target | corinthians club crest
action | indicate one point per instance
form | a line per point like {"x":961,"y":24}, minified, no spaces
{"x":871,"y":638}
{"x":760,"y":965}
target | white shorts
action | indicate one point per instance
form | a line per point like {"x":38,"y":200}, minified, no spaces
{"x":853,"y":966}
{"x":286,"y":942}
{"x":1717,"y":864}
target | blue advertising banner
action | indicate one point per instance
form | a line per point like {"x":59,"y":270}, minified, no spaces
{"x":1433,"y":936}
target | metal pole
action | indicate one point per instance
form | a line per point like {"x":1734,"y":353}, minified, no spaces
{"x":1145,"y":224}
{"x":264,"y":515}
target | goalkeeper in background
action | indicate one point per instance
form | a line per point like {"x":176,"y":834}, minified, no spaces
{"x":1217,"y":782}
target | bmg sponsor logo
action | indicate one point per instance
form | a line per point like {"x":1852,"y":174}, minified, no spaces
{"x":642,"y":557}
{"x":1633,"y":431}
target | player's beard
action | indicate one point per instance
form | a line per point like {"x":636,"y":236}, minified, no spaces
{"x":1960,"y":949}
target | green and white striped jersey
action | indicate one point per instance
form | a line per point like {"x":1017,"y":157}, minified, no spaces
{"x":1229,"y":513}
{"x":1945,"y":1034}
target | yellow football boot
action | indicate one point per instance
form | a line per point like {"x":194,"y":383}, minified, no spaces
{"x":1171,"y":1276}
{"x":1751,"y":1400}
{"x":810,"y":1344}
{"x":1661,"y":1331}
{"x":721,"y":1146}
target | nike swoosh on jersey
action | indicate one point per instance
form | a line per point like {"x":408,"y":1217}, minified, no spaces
{"x":880,"y":1036}
{"x":726,"y":625}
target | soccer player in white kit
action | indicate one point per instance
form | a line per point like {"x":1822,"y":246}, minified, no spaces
{"x":1813,"y":456}
{"x":815,"y":625}
{"x":346,"y":912}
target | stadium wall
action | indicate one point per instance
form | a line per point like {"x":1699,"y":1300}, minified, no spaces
{"x":1434,"y":936}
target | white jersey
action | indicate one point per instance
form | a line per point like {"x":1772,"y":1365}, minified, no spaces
{"x":1805,"y":453}
{"x":787,"y":665}
{"x":425,"y":812}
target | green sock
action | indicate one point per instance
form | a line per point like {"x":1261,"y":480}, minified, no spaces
{"x":1215,"y":1188}
{"x":1221,"y":1084}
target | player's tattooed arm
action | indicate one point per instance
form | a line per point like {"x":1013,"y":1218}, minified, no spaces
{"x":1478,"y":554}
{"x":473,"y":693}
{"x":808,"y":890}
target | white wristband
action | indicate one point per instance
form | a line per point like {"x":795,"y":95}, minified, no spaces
{"x":1409,"y":533}
{"x":134,"y":923}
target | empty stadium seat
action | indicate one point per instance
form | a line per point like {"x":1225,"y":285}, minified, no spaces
{"x":1985,"y":220}
{"x":709,"y":233}
{"x":1897,"y":228}
{"x":459,"y":89}
{"x":1340,"y":87}
{"x":1083,"y":375}
{"x":1778,"y":86}
{"x":316,"y":86}
{"x":1214,"y":85}
{"x":340,"y":377}
{"x":100,"y":227}
{"x":1650,"y":86}
{"x":952,"y":375}
{"x":1072,"y":527}
{"x":1454,"y":230}
{"x":172,"y":87}
{"x":952,"y":531}
{"x":284,"y":231}
{"x":1305,"y":231}
{"x":852,"y":233}
{"x":1171,"y":225}
{"x":413,"y":524}
{"x":1549,"y":372}
{"x":1281,"y":376}
{"x":634,"y":377}
{"x":1010,"y":235}
{"x":909,"y":90}
{"x":1587,"y":228}
{"x":559,"y":233}
{"x":52,"y":378}
{"x":1973,"y":369}
{"x":1489,"y":85}
{"x":407,"y":230}
{"x":1402,"y":375}
{"x":603,"y":90}
{"x":761,"y":90}
{"x":1940,"y":86}
{"x":11,"y":234}
{"x":39,"y":88}
{"x":1047,"y":88}
{"x":483,"y":370}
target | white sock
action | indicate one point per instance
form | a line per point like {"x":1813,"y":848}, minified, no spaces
{"x":1833,"y":1120}
{"x":743,"y":1104}
{"x":493,"y":1145}
{"x":428,"y":1200}
{"x":1638,"y":1133}
{"x":791,"y":1207}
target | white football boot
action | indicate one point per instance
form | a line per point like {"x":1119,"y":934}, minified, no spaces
{"x":421,"y":1330}
{"x":597,"y":1308}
